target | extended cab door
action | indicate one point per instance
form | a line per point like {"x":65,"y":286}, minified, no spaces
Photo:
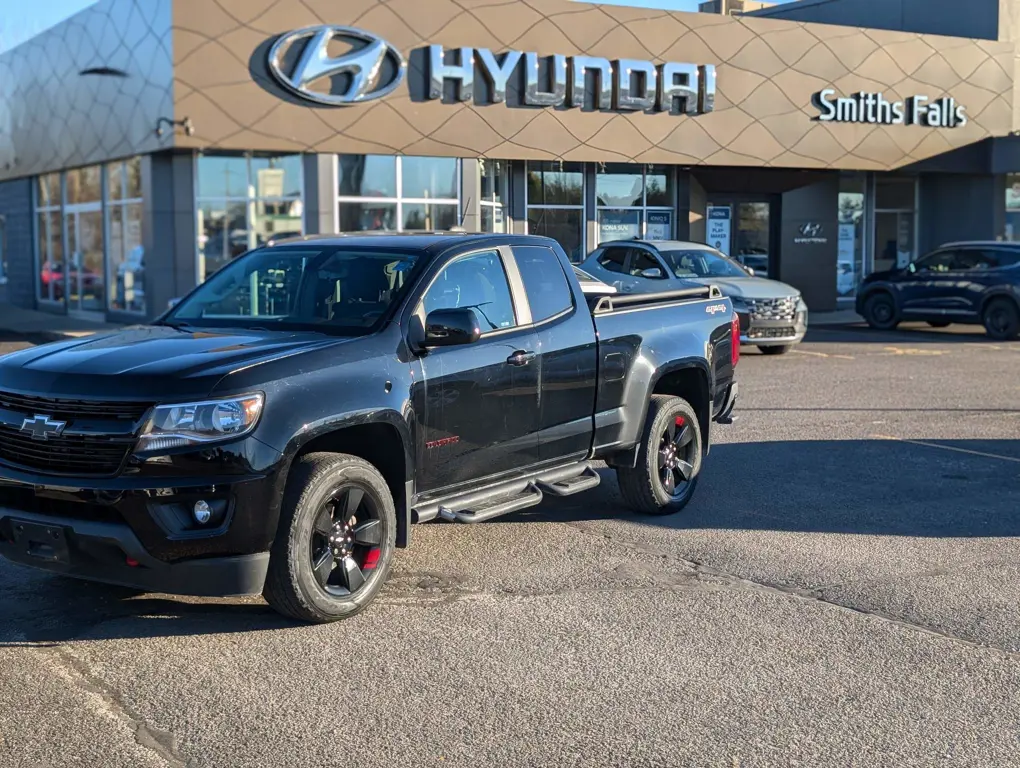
{"x":477,"y":408}
{"x":567,"y":355}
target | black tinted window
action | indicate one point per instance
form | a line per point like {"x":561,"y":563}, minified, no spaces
{"x":642,"y":260}
{"x":1007,"y":258}
{"x":546,"y":285}
{"x":940,"y":261}
{"x":477,"y":282}
{"x":613,"y":259}
{"x":973,"y":259}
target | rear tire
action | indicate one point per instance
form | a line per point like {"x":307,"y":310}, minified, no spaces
{"x":1001,"y":319}
{"x":776,"y":349}
{"x":336,"y":539}
{"x":646,"y":486}
{"x":939,"y":324}
{"x":880,"y":312}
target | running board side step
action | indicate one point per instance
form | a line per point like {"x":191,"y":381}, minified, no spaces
{"x":529,"y":497}
{"x":510,"y":496}
{"x":583,"y":482}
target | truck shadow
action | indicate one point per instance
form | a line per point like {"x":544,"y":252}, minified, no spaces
{"x":944,"y":488}
{"x":880,"y":487}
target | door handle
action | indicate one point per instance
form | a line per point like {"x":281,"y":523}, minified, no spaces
{"x":520,"y":357}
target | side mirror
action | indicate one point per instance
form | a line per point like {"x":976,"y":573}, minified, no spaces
{"x":652,"y":273}
{"x":911,"y":268}
{"x":749,"y":271}
{"x":451,"y":328}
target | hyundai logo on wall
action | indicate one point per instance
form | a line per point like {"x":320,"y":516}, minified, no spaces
{"x":811,"y":233}
{"x":302,"y":63}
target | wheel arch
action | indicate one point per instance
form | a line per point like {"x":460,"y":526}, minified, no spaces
{"x":999,"y":293}
{"x":382,"y":438}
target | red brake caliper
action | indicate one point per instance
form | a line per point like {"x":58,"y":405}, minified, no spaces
{"x":371,"y":559}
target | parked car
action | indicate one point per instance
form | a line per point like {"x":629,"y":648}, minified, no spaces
{"x":773,"y":315}
{"x":230,"y":449}
{"x":965,"y":282}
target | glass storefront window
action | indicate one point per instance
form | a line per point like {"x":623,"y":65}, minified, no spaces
{"x":125,"y":251}
{"x":850,"y":247}
{"x":368,"y":176}
{"x":245,"y":201}
{"x":399,"y":194}
{"x":1013,"y":207}
{"x":429,"y":178}
{"x":626,"y":197}
{"x":493,"y":183}
{"x":84,"y":185}
{"x":618,"y":185}
{"x":895,"y":237}
{"x":3,"y":250}
{"x":564,"y":225}
{"x":48,"y":191}
{"x":49,"y":244}
{"x":555,"y":183}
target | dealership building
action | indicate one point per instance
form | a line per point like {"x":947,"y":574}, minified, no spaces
{"x":144,"y":143}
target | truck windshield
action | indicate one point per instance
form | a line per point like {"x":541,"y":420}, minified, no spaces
{"x":701,"y":263}
{"x":338,"y":290}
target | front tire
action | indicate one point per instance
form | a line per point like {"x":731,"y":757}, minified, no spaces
{"x":335,"y":543}
{"x":776,"y":349}
{"x":880,"y":312}
{"x":1001,"y":319}
{"x":668,"y":462}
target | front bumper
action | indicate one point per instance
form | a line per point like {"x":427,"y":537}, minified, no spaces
{"x":138,"y":529}
{"x":111,"y":553}
{"x":767,"y":333}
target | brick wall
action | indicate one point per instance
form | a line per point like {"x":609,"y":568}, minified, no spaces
{"x":16,"y":208}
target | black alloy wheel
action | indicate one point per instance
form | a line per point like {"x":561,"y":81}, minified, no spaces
{"x":676,"y":459}
{"x":665,"y":473}
{"x":880,"y":312}
{"x":1002,"y":320}
{"x":345,"y":542}
{"x":336,"y":539}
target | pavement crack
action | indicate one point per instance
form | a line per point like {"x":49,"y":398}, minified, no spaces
{"x":732,"y":581}
{"x":162,"y":743}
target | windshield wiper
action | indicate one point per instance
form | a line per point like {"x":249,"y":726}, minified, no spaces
{"x":177,"y":326}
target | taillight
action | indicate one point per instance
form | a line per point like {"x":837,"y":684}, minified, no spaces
{"x":735,"y":340}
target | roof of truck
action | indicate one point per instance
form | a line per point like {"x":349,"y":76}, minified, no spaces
{"x":421,"y":240}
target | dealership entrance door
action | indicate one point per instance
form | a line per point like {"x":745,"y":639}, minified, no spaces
{"x":83,"y":260}
{"x":741,"y":228}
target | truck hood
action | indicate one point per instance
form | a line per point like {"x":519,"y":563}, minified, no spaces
{"x":158,"y":362}
{"x":749,"y":287}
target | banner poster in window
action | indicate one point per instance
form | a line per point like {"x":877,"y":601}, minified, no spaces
{"x":719,"y":227}
{"x":846,"y":279}
{"x":659,"y":225}
{"x":619,"y":225}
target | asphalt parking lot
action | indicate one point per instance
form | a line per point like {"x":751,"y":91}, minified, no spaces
{"x":842,"y":591}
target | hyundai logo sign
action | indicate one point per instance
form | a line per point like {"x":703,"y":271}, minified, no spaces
{"x":373,"y":68}
{"x":370,"y":70}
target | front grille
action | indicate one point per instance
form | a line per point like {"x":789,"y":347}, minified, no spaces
{"x":771,"y":333}
{"x":773,"y":309}
{"x":69,"y":410}
{"x":98,"y":450}
{"x":66,"y":454}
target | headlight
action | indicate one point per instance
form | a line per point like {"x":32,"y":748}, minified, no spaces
{"x":182,"y":424}
{"x":801,"y":306}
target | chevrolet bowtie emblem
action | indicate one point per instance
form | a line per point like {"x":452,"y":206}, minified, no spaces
{"x":43,"y":427}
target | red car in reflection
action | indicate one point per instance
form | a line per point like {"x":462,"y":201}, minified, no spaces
{"x":53,"y":274}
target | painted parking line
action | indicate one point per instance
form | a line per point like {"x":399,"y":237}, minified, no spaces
{"x":952,"y":448}
{"x":823,"y":354}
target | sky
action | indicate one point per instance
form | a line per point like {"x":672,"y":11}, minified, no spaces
{"x":22,"y":19}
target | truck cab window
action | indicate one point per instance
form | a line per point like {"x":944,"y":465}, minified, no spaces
{"x":477,"y":282}
{"x":544,"y":281}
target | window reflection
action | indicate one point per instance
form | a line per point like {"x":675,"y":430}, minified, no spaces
{"x":84,"y":185}
{"x":368,"y":176}
{"x":563,"y":225}
{"x":554,"y":183}
{"x":618,"y":185}
{"x":429,"y":217}
{"x":429,"y":178}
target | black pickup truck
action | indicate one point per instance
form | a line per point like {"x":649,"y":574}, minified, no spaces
{"x":281,"y":428}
